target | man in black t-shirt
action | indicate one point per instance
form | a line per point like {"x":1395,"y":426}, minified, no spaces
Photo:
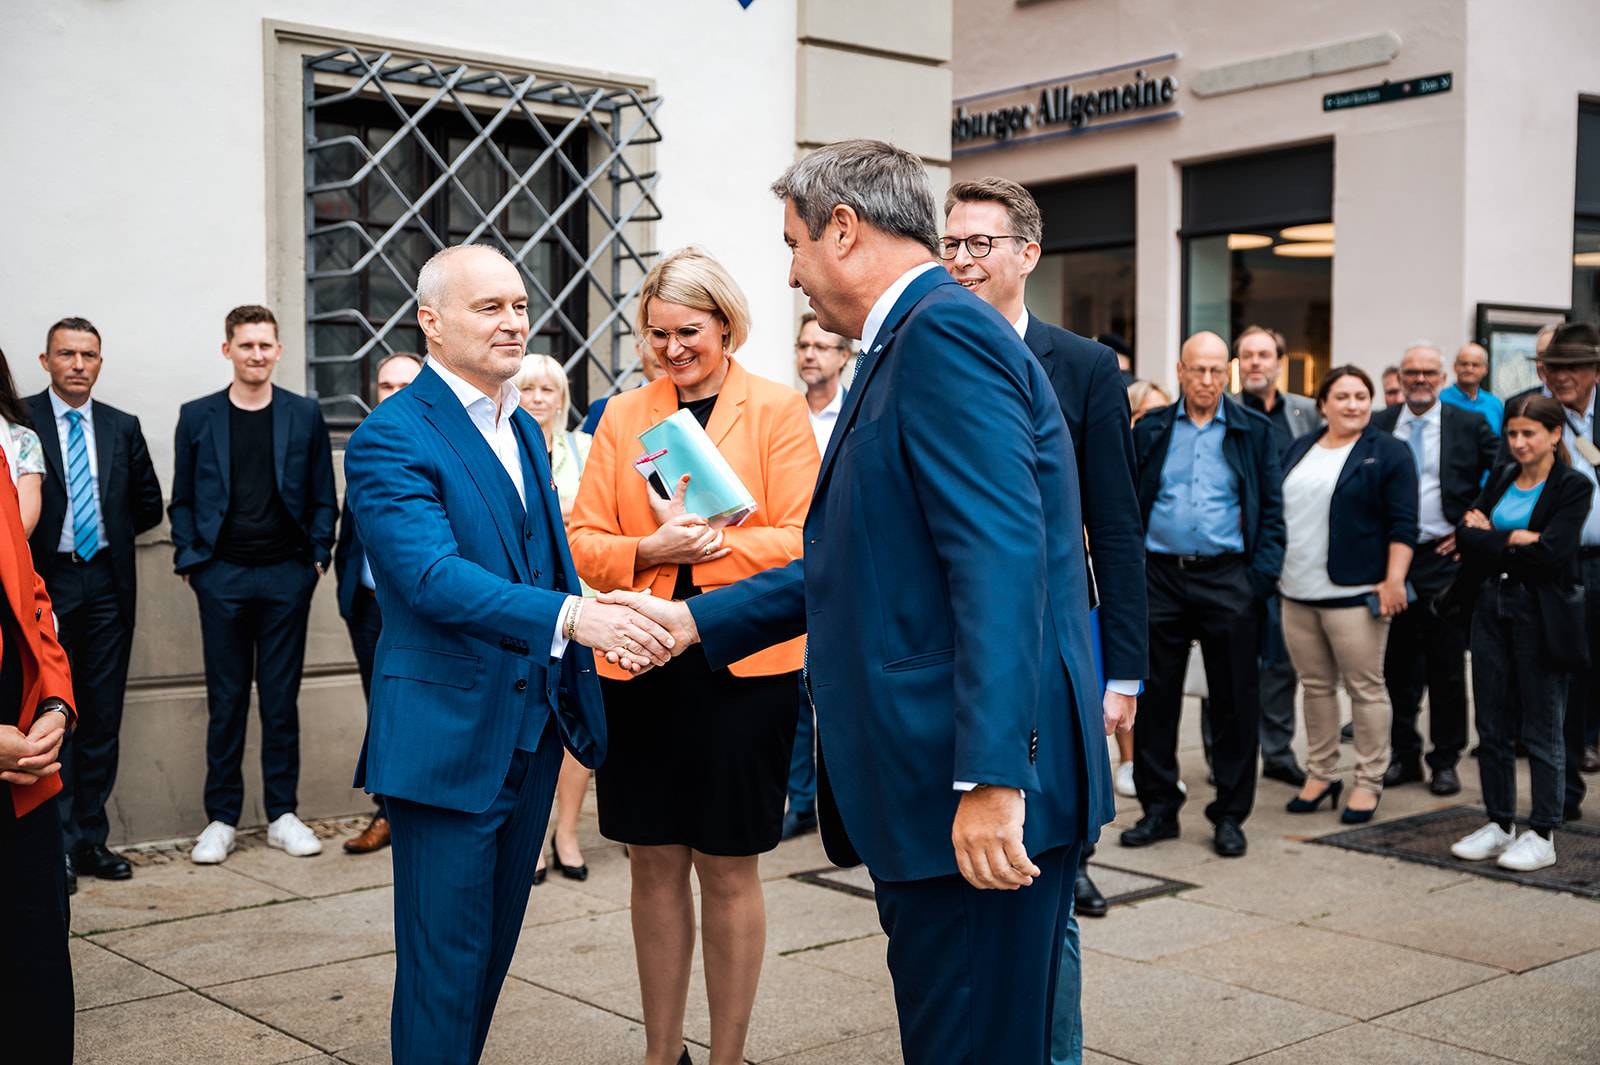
{"x":253,"y":512}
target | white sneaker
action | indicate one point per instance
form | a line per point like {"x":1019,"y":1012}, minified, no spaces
{"x":290,"y":835}
{"x":214,"y":844}
{"x":1125,"y":786}
{"x":1490,"y":841}
{"x":1531,"y":851}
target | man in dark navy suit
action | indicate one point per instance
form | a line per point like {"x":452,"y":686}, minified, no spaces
{"x":100,"y":493}
{"x":253,"y":511}
{"x":945,"y":593}
{"x":358,"y":596}
{"x":991,"y":245}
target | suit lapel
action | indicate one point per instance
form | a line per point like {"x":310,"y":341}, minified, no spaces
{"x":44,"y":418}
{"x":537,"y":480}
{"x":1358,"y":454}
{"x":450,"y":419}
{"x":282,"y":426}
{"x":1547,"y":496}
{"x":105,"y":444}
{"x":219,"y":436}
{"x":730,"y":403}
{"x":1037,"y":337}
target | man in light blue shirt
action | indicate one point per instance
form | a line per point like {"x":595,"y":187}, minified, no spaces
{"x":1468,"y":393}
{"x":1197,"y":510}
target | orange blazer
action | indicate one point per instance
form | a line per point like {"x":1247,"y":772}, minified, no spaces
{"x":44,"y":664}
{"x":764,"y":431}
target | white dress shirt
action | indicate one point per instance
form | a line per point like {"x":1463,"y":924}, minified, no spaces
{"x":493,"y":422}
{"x":59,"y":407}
{"x":1430,"y":510}
{"x":1582,"y":426}
{"x":823,"y":421}
{"x":891,"y":295}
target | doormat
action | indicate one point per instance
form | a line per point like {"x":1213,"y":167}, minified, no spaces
{"x":1426,"y":838}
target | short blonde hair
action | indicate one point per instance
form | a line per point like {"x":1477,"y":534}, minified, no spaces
{"x":691,"y":278}
{"x":1140,"y":391}
{"x":534,"y":367}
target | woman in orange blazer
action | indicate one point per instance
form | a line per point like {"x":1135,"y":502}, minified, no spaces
{"x":698,"y":759}
{"x":35,"y":713}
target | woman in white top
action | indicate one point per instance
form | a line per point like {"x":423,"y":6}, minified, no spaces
{"x":24,"y":454}
{"x":1350,"y":506}
{"x":545,"y":395}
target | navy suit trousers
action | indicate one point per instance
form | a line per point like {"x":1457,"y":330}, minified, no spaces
{"x":975,"y":971}
{"x":461,"y":884}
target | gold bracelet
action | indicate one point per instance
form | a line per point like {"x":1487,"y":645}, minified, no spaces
{"x":573,"y":609}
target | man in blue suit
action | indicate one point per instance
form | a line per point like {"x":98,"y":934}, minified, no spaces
{"x":944,"y":589}
{"x":991,"y":245}
{"x":477,"y":684}
{"x":253,"y":509}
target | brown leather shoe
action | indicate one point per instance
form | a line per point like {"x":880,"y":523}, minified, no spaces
{"x":374,"y":838}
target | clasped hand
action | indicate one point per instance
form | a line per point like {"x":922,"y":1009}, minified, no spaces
{"x":26,"y":759}
{"x":680,"y":538}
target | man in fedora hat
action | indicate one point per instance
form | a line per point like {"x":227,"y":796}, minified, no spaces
{"x":1570,"y":367}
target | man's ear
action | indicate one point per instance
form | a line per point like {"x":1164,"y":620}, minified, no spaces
{"x":428,"y":321}
{"x":1030,"y":257}
{"x":846,"y":229}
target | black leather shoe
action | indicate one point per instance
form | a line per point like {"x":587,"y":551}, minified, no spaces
{"x":1409,"y":772}
{"x":1297,"y":805}
{"x":102,"y":862}
{"x":798,"y":823}
{"x":1086,"y":898}
{"x":1571,"y":813}
{"x":72,"y":877}
{"x":1288,"y":772}
{"x":1358,"y":817}
{"x":1229,"y":841}
{"x":1347,"y":734}
{"x":539,"y":875}
{"x":1591,"y":760}
{"x":1444,"y":782}
{"x":684,"y":1058}
{"x":1152,"y":828}
{"x":571,"y":872}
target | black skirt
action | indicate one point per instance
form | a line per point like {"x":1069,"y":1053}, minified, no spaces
{"x":697,"y":757}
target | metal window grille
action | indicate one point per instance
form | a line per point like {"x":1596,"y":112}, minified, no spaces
{"x":406,"y":155}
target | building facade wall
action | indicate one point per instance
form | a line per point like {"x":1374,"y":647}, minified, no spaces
{"x":1438,"y":201}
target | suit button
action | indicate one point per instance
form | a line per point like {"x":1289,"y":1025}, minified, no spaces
{"x":527,"y":534}
{"x":521,"y":685}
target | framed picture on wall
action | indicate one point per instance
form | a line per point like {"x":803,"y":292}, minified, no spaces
{"x":1508,"y":331}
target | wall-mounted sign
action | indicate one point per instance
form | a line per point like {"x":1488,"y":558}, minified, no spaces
{"x":1388,"y":92}
{"x":1092,"y":101}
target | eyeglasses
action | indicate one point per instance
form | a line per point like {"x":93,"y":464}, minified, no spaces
{"x":978,"y":245}
{"x":1419,"y":374}
{"x":688,"y":336}
{"x":1206,"y":373}
{"x":807,"y":346}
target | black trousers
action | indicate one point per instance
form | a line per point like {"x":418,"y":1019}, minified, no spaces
{"x":1212,"y":603}
{"x":253,"y":627}
{"x":98,"y":638}
{"x":1428,"y":652}
{"x":35,"y":973}
{"x":1583,"y":701}
{"x":1278,"y":682}
{"x":366,"y":624}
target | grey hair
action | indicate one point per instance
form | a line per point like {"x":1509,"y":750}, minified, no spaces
{"x":887,"y":187}
{"x":1422,"y":345}
{"x":431,"y":281}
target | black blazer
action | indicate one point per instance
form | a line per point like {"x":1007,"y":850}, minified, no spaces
{"x":1374,"y":504}
{"x":130,"y":493}
{"x":1094,"y":402}
{"x":347,"y":557}
{"x":1549,"y":568}
{"x":1467,"y":450}
{"x":303,"y":458}
{"x":1252,"y":454}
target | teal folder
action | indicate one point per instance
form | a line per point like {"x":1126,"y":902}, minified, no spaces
{"x":678,"y":445}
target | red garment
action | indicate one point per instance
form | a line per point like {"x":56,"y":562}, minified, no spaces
{"x":45,"y":673}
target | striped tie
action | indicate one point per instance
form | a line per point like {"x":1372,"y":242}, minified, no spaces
{"x":80,"y":487}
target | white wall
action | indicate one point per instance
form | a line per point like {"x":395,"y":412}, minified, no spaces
{"x":1438,"y":203}
{"x":135,"y":171}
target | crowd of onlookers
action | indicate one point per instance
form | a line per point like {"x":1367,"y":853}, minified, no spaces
{"x":1365,"y":538}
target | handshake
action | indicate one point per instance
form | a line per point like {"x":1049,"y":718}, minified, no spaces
{"x":635,"y":630}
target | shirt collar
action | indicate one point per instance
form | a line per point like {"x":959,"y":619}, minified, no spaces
{"x":1432,"y":416}
{"x":471,"y":395}
{"x":835,"y":405}
{"x":59,"y":407}
{"x":1021,"y":324}
{"x":1220,"y":416}
{"x":880,"y":310}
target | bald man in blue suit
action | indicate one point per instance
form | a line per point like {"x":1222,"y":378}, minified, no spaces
{"x":944,"y":588}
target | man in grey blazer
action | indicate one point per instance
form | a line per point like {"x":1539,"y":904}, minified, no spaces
{"x":1261,"y":352}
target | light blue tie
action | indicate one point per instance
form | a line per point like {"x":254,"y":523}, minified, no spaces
{"x":1417,"y":446}
{"x":80,"y":488}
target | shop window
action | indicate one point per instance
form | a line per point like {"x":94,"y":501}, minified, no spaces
{"x":1586,"y":228}
{"x":1087,"y":277}
{"x":1258,"y":249}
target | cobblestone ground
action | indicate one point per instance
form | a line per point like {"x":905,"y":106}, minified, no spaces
{"x":1297,"y":953}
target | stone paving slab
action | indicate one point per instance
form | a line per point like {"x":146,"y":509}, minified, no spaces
{"x":332,"y":872}
{"x":224,"y":947}
{"x":1357,"y":977}
{"x":101,"y":978}
{"x":878,"y":1048}
{"x":331,"y":1007}
{"x":1538,"y":1017}
{"x":865,"y":958}
{"x":1483,"y":921}
{"x":581,"y":957}
{"x":169,"y":891}
{"x":560,"y":900}
{"x":804,"y":915}
{"x":1155,"y":1016}
{"x":182,"y":1027}
{"x":1366,"y":1044}
{"x":1144,"y":931}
